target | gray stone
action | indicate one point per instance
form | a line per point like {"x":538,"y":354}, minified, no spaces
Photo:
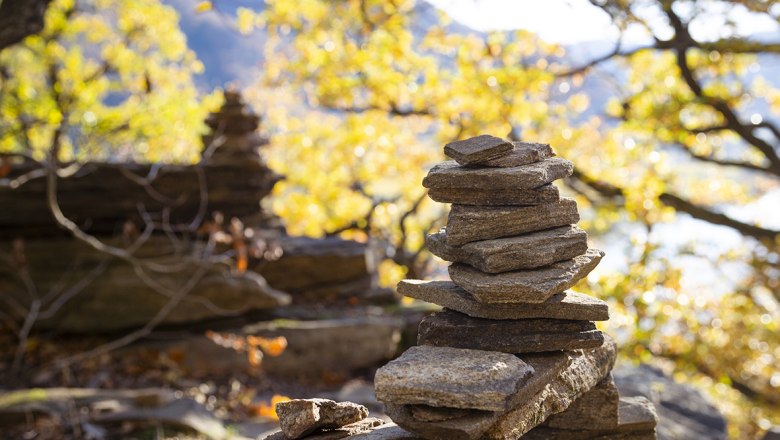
{"x":300,"y":417}
{"x":451,"y":175}
{"x":471,"y":424}
{"x":527,"y":251}
{"x":683,"y":412}
{"x":474,"y":223}
{"x":564,"y":305}
{"x":453,"y":329}
{"x":387,"y":431}
{"x":496,"y":197}
{"x":361,"y":427}
{"x":558,"y":379}
{"x":772,"y":434}
{"x":596,"y":409}
{"x":451,"y":377}
{"x":525,"y":286}
{"x":477,"y":149}
{"x":635,"y":420}
{"x":523,"y":153}
{"x":586,"y":371}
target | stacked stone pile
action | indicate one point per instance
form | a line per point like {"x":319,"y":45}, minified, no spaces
{"x":514,"y":352}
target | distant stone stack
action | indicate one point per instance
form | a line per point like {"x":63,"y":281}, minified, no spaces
{"x":513,"y":353}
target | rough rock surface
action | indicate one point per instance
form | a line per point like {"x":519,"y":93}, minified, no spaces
{"x":364,"y":426}
{"x":527,"y":251}
{"x":596,"y":409}
{"x":474,"y":223}
{"x":496,"y":197}
{"x":683,"y":412}
{"x":387,"y":431}
{"x":523,"y":153}
{"x":477,"y":149}
{"x":564,"y":305}
{"x":636,"y":420}
{"x":300,"y":417}
{"x":772,"y":434}
{"x":451,"y":175}
{"x":453,"y":329}
{"x":525,"y":286}
{"x":558,"y":379}
{"x":451,"y":377}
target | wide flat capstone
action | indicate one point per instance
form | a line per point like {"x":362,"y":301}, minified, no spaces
{"x":564,"y":305}
{"x":477,"y":149}
{"x":523,"y":153}
{"x":525,"y":286}
{"x":451,"y":377}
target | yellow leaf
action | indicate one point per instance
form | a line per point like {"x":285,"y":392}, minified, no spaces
{"x":203,"y":6}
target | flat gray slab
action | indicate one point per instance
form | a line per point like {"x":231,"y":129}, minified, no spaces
{"x":523,"y":153}
{"x":596,"y":409}
{"x":451,"y":175}
{"x":299,"y":417}
{"x":364,"y":426}
{"x":477,"y":149}
{"x":467,"y":223}
{"x":496,"y":197}
{"x":451,"y":377}
{"x":525,"y":286}
{"x":527,"y":251}
{"x":564,"y":305}
{"x":558,"y":380}
{"x":453,"y":329}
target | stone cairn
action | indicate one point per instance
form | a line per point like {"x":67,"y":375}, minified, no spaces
{"x":513,"y":353}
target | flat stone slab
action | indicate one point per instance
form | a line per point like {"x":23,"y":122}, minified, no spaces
{"x":596,"y":409}
{"x":494,"y":197}
{"x":451,"y":175}
{"x":453,"y":329}
{"x":364,"y":426}
{"x":477,"y":149}
{"x":387,"y":431}
{"x":564,"y":305}
{"x":523,"y":153}
{"x":300,"y":417}
{"x":525,"y":286}
{"x":558,"y":380}
{"x":635,"y":420}
{"x":527,"y":251}
{"x":468,"y":223}
{"x":451,"y":377}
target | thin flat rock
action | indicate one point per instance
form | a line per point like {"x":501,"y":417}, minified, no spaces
{"x":574,"y":373}
{"x":299,"y":417}
{"x":496,"y":197}
{"x":477,"y":149}
{"x":453,"y":329}
{"x":364,"y":426}
{"x":451,"y":377}
{"x":564,"y":305}
{"x":523,"y":153}
{"x":596,"y":409}
{"x":451,"y":175}
{"x":525,"y":286}
{"x":527,"y":251}
{"x":468,"y":223}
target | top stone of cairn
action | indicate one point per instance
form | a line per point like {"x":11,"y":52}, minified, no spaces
{"x":477,"y":149}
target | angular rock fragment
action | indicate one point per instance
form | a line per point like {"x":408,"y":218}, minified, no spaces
{"x":451,"y":175}
{"x":527,"y":251}
{"x":495,"y":197}
{"x":477,"y":149}
{"x":523,"y":153}
{"x":453,"y":329}
{"x":524,"y":286}
{"x":542,"y":395}
{"x":596,"y":409}
{"x":451,"y":377}
{"x":474,"y":223}
{"x":564,"y":305}
{"x":300,"y":417}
